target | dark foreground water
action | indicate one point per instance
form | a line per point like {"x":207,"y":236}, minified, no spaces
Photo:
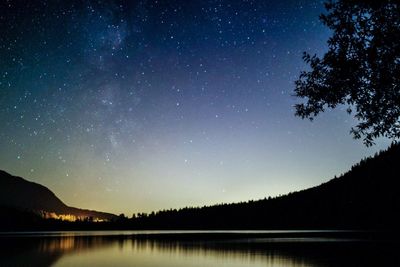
{"x":208,"y":248}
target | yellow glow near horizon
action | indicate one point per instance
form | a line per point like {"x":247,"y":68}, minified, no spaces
{"x":67,"y":217}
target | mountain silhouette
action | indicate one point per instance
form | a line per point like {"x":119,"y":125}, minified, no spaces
{"x":365,"y":197}
{"x":19,"y":194}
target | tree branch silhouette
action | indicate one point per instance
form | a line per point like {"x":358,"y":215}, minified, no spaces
{"x":360,"y":70}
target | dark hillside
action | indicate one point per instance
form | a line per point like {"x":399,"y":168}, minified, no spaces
{"x":19,"y":194}
{"x":366,"y":197}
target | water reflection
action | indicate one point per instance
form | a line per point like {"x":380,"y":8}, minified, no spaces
{"x":120,"y":250}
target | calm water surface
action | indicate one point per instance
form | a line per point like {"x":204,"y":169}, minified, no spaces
{"x":206,"y":248}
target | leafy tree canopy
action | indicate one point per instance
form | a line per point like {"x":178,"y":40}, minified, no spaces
{"x":360,"y":70}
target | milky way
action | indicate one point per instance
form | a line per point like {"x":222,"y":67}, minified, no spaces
{"x":130,"y":106}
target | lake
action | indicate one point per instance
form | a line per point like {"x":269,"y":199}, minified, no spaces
{"x":197,"y":248}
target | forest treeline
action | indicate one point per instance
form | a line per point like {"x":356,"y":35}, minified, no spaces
{"x":366,"y":197}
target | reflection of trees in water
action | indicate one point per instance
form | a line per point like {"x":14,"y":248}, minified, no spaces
{"x":312,"y":251}
{"x":222,"y":251}
{"x":357,"y":253}
{"x":45,"y":251}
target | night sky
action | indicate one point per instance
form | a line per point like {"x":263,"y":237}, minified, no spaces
{"x":128,"y":106}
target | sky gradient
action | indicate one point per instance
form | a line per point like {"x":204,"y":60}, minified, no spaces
{"x":131,"y":106}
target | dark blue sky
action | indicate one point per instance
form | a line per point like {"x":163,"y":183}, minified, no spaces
{"x":132,"y":106}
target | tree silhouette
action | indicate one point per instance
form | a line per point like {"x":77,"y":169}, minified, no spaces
{"x":366,"y":198}
{"x":360,"y":70}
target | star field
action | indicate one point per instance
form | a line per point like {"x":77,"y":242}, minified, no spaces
{"x":130,"y":106}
